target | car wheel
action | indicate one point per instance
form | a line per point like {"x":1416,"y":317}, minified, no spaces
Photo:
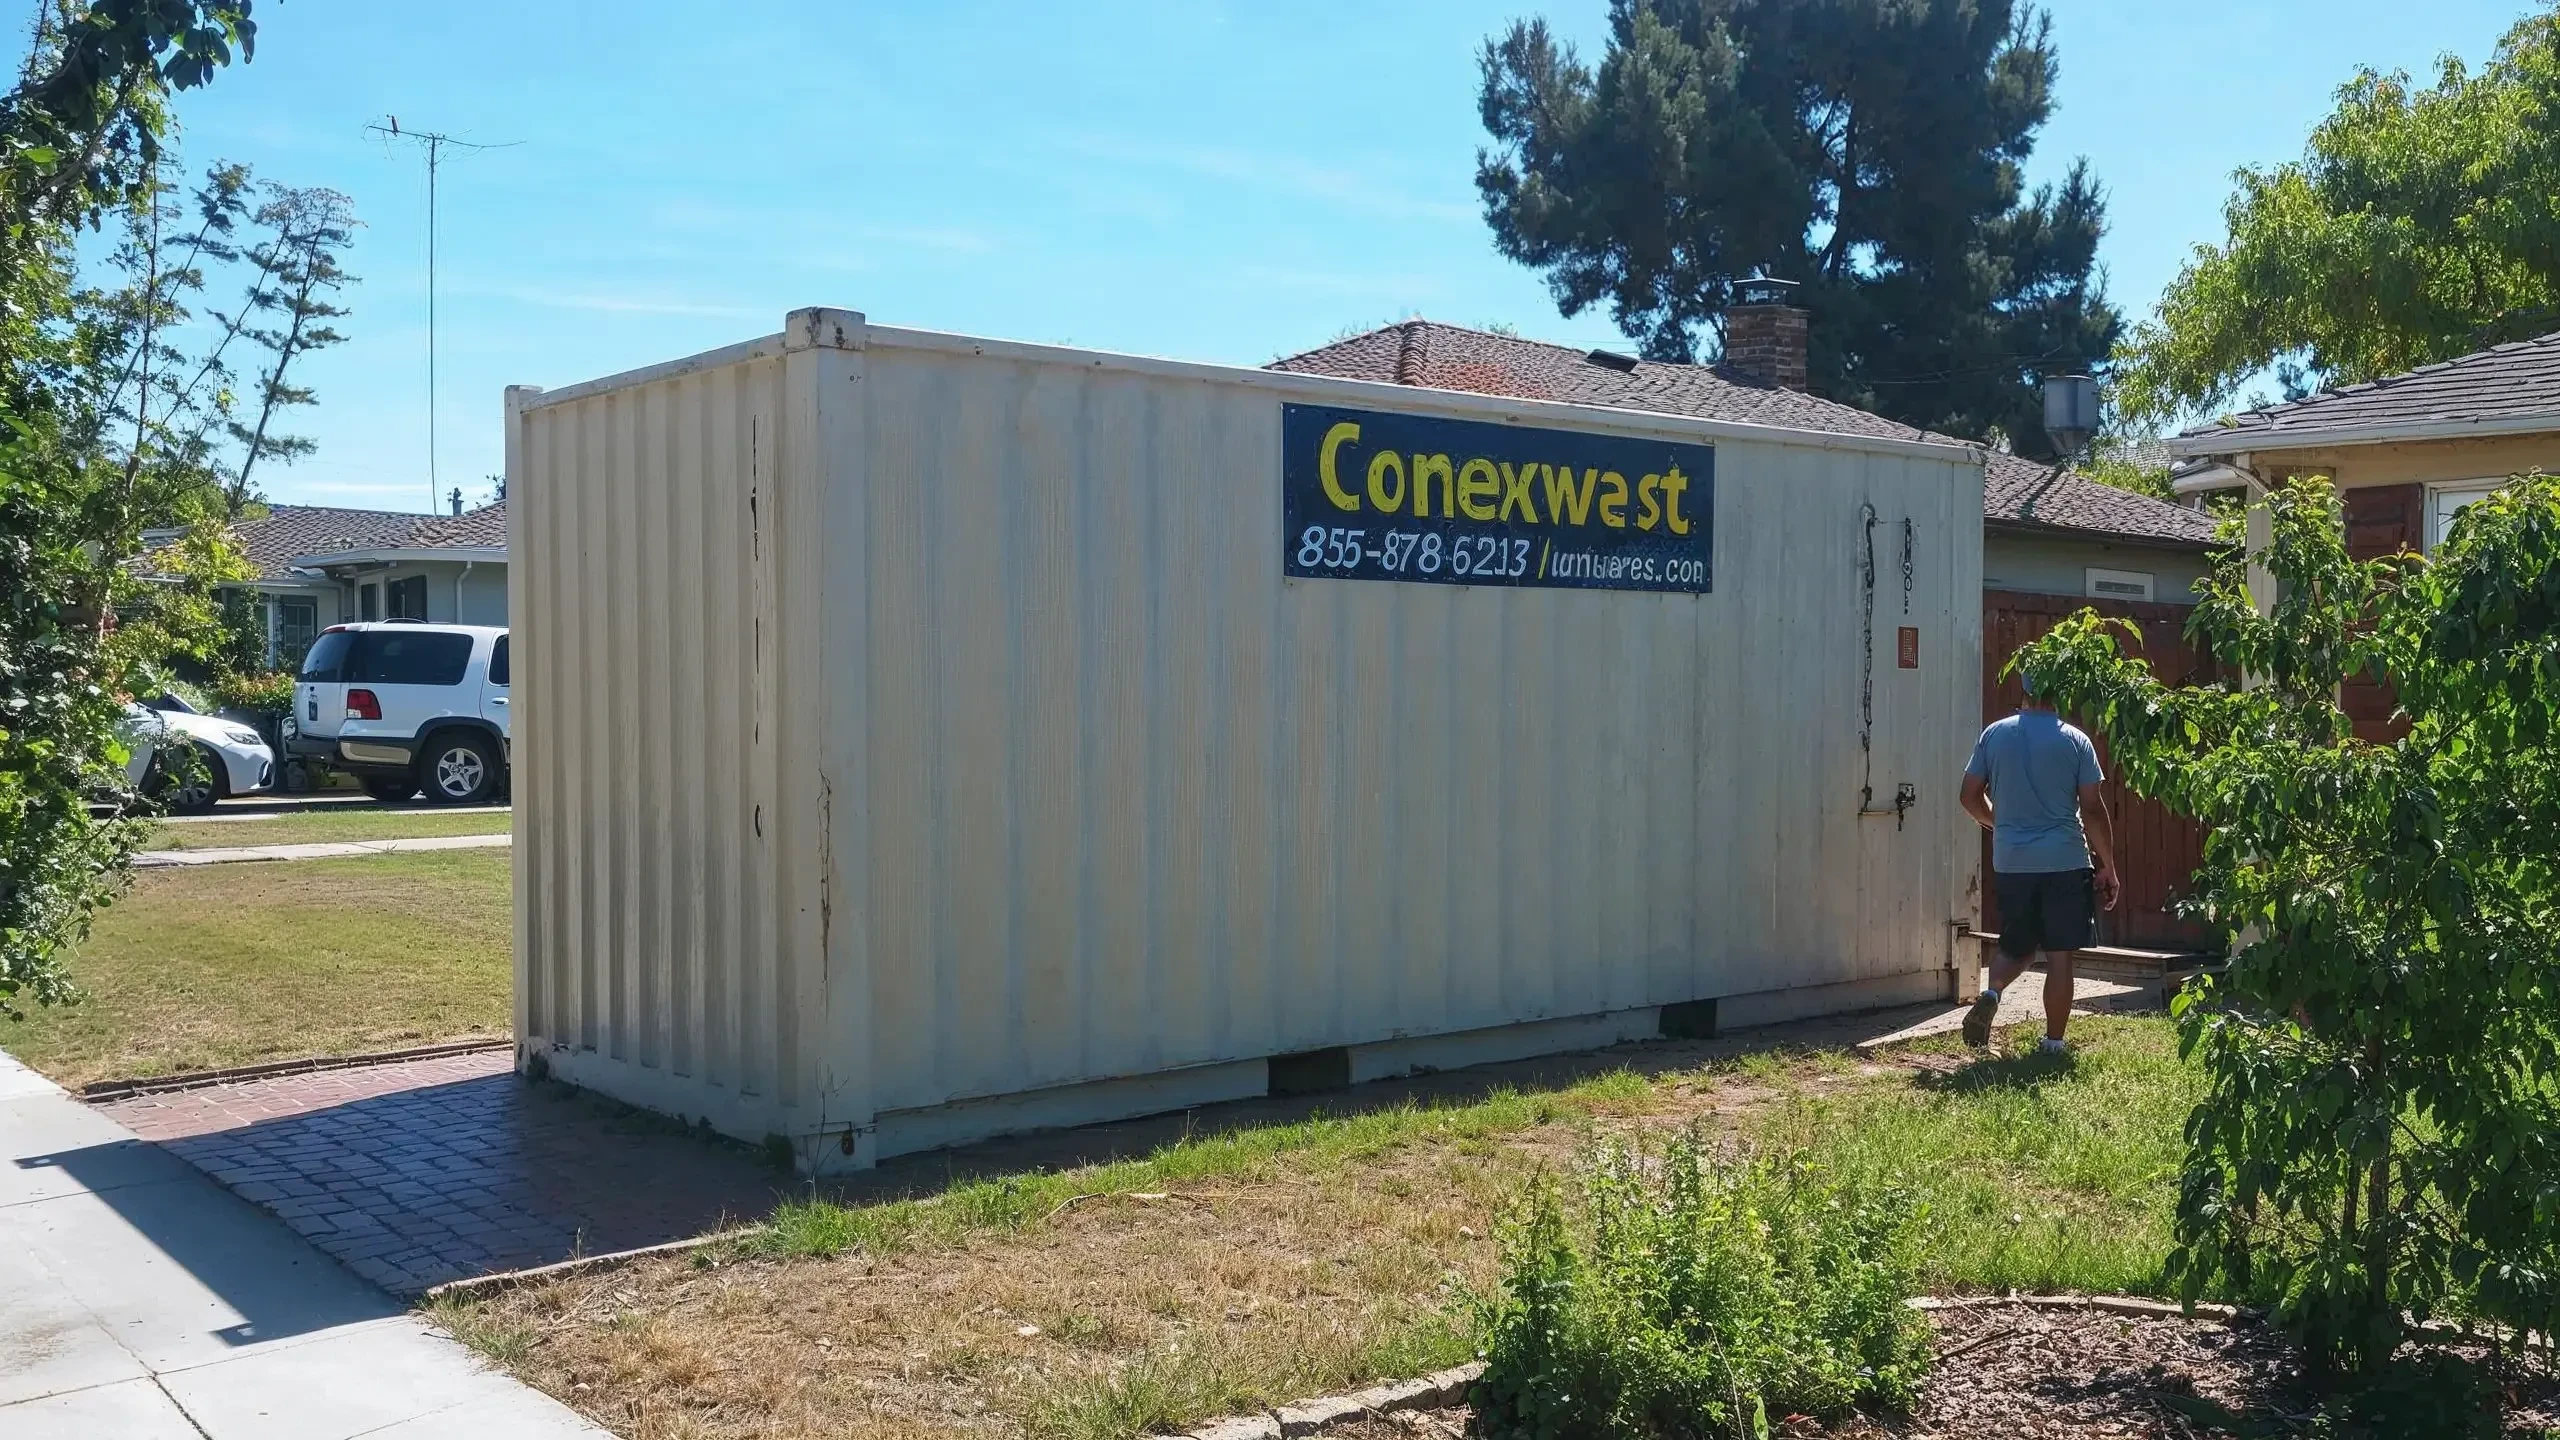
{"x":389,"y":791}
{"x":195,"y":792}
{"x":462,"y":768}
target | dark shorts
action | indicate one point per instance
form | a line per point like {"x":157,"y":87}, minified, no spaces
{"x":2054,"y":910}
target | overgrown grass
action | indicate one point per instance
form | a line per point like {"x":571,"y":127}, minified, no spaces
{"x":1283,"y":1261}
{"x":2039,"y":1174}
{"x":323,"y":824}
{"x":822,"y":1228}
{"x":237,"y":964}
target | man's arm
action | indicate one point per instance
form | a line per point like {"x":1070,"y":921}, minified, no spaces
{"x":1976,"y":800}
{"x":2100,"y":828}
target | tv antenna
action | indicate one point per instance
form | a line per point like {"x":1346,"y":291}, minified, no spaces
{"x":435,"y":145}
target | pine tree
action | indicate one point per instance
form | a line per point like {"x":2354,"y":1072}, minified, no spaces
{"x":1868,"y":149}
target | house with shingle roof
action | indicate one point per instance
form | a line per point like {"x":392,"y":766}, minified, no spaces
{"x":321,"y":565}
{"x":2406,"y":452}
{"x":2047,"y":530}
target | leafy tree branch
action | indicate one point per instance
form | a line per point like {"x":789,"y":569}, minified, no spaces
{"x":2378,"y":1131}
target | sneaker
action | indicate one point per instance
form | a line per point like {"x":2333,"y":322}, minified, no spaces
{"x":1977,"y":1021}
{"x":2051,"y":1046}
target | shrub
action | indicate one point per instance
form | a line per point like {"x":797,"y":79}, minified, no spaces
{"x":2378,"y":1137}
{"x":1685,"y":1297}
{"x":269,"y":694}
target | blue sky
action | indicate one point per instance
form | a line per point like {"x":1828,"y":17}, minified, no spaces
{"x":1211,"y":181}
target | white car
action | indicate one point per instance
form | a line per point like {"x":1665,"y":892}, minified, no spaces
{"x":233,"y":759}
{"x":405,"y":705}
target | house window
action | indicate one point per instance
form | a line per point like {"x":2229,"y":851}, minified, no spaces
{"x":368,"y":602}
{"x":297,"y":621}
{"x":408,"y":599}
{"x":2446,"y":501}
{"x":2119,"y":584}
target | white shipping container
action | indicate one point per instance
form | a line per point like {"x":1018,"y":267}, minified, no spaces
{"x":920,"y":737}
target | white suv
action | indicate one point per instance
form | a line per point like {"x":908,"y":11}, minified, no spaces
{"x":403,"y":704}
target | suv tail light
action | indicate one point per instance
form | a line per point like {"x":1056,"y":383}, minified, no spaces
{"x":361,"y":705}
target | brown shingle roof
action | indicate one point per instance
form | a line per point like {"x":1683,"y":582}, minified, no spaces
{"x":287,"y":533}
{"x":2517,"y":382}
{"x":2019,"y":493}
{"x":484,"y":526}
{"x":1449,"y":357}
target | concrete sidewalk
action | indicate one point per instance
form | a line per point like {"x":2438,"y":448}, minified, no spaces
{"x":287,"y":812}
{"x":319,"y":850}
{"x":140,"y":1300}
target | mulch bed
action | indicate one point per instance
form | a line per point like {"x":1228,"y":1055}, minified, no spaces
{"x":2012,"y":1372}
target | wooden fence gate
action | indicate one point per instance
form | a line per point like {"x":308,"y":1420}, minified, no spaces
{"x":2156,"y":852}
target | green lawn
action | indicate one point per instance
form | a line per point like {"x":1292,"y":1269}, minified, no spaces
{"x":333,"y":823}
{"x":237,"y":964}
{"x":2038,"y":1173}
{"x":1242,"y":1268}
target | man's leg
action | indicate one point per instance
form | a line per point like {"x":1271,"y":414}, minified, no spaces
{"x":2005,"y":969}
{"x":1986,"y":1007}
{"x":2021,"y":921}
{"x":2057,"y":994}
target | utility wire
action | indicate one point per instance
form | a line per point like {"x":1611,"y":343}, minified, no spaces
{"x":435,"y":145}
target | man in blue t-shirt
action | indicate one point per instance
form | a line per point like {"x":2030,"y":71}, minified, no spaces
{"x":2032,"y":783}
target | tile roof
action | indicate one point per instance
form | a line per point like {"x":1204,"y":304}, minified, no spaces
{"x":1450,"y":357}
{"x":2023,"y":494}
{"x":287,"y":533}
{"x":484,"y":526}
{"x":2515,"y":382}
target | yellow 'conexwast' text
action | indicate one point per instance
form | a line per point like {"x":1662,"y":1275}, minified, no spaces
{"x":1478,"y":487}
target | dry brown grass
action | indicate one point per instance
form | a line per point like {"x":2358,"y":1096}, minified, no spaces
{"x":1145,"y":1313}
{"x":1309,"y":1259}
{"x":1270,"y":1291}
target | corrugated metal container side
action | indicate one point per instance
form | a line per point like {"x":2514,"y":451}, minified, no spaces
{"x":919,"y":739}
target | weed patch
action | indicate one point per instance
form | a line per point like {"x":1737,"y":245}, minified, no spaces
{"x":1689,"y":1295}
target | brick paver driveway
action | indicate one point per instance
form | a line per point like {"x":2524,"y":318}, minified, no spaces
{"x":430,"y":1170}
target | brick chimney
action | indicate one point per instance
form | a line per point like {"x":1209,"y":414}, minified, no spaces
{"x":1764,"y":335}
